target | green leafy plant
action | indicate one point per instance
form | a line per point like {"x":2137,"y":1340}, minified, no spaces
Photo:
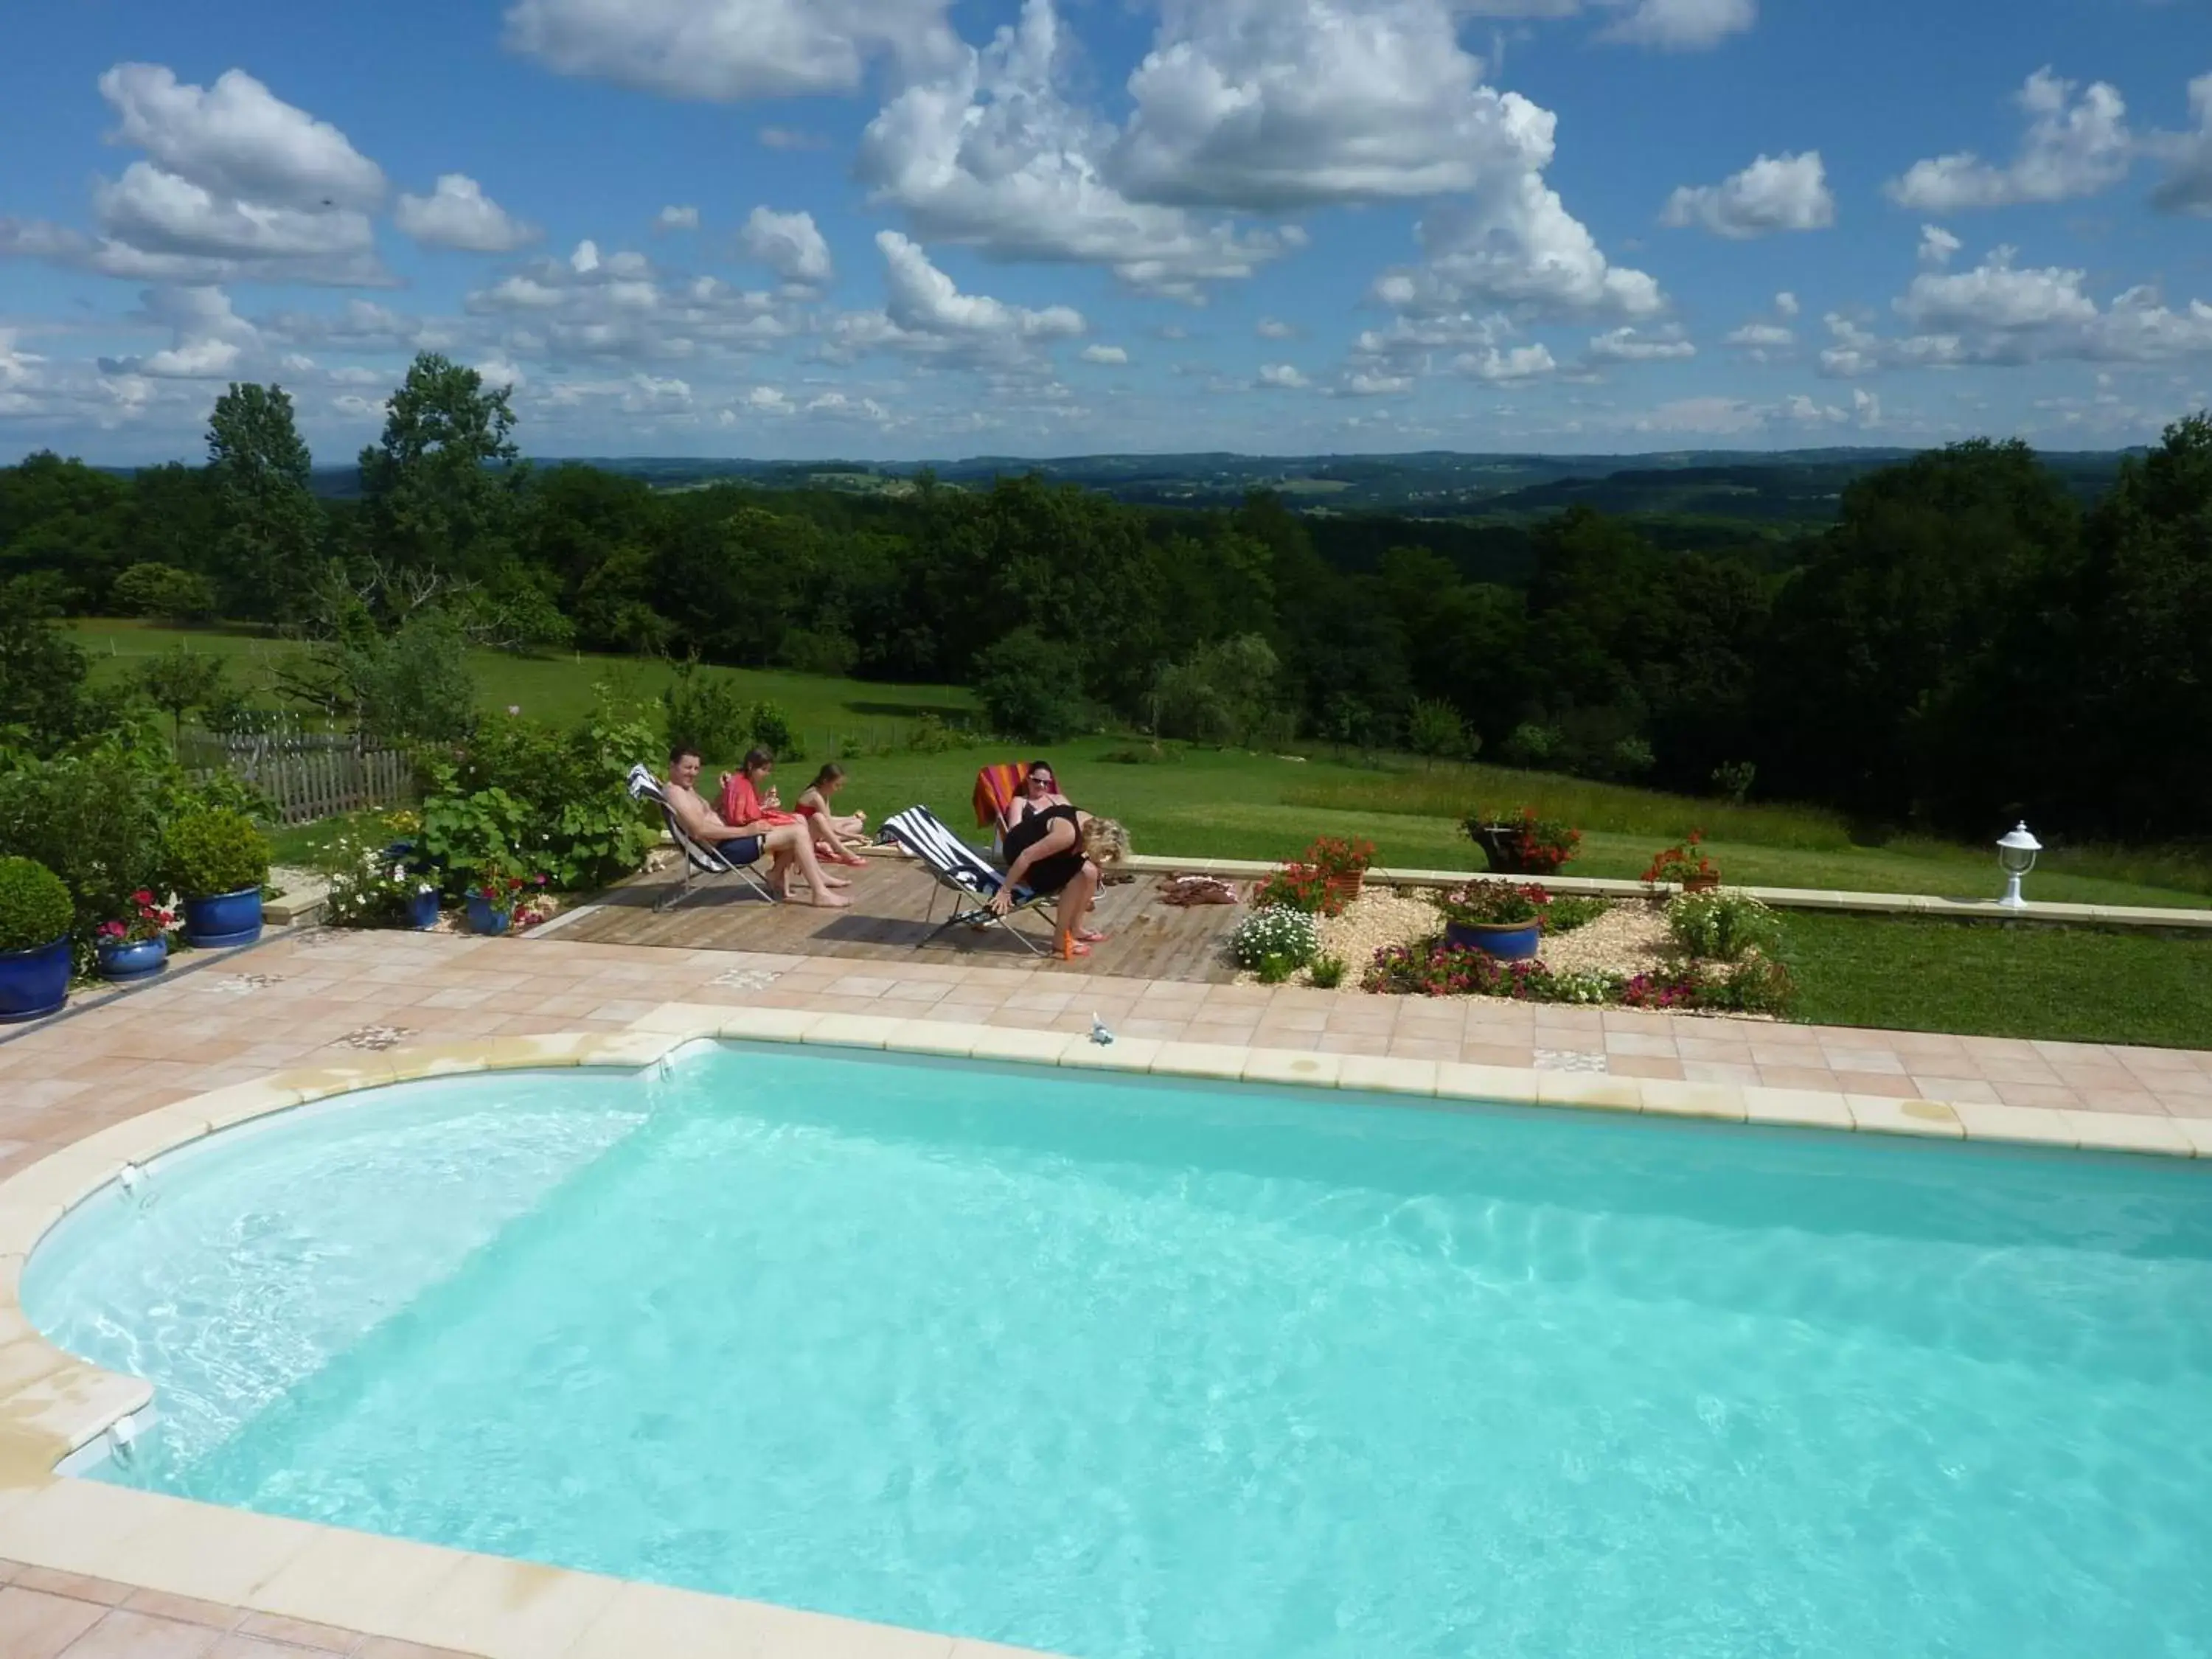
{"x":149,"y":919}
{"x":472,"y":834}
{"x":1733,"y":781}
{"x":709,"y":712}
{"x":1296,"y":887}
{"x":1756,"y":984}
{"x":1722,"y":927}
{"x":1327,"y":973}
{"x":368,"y":887}
{"x":214,"y":850}
{"x":930,"y":735}
{"x":1337,"y":858}
{"x":35,"y":905}
{"x":1276,"y":932}
{"x":772,"y":729}
{"x":1493,"y":903}
{"x":1276,"y":970}
{"x":1565,"y":914}
{"x":1435,"y":730}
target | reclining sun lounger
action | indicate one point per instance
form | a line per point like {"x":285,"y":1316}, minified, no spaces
{"x":961,"y":870}
{"x":707,"y":862}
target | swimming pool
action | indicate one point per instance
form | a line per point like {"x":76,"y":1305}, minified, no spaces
{"x":1113,"y":1367}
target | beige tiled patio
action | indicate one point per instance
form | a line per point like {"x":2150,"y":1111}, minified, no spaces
{"x":322,"y":998}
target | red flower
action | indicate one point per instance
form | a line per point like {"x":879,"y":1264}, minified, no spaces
{"x":141,"y":896}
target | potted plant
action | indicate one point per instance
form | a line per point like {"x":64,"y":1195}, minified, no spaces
{"x":496,"y":899}
{"x":218,"y":861}
{"x":137,"y":948}
{"x":35,"y":914}
{"x":1343,"y":866}
{"x":1297,"y":886}
{"x":1522,"y":843}
{"x":1684,"y":866}
{"x":1497,"y":918}
{"x":374,"y":886}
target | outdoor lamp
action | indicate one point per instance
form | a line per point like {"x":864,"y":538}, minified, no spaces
{"x":2016,"y":854}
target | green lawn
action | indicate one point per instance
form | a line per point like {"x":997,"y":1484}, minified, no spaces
{"x":1234,"y":804}
{"x":1982,"y":980}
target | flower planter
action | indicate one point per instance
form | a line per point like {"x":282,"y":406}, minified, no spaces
{"x":1702,"y":884}
{"x":1346,"y":887}
{"x":33,"y":983}
{"x":139,"y":959}
{"x":483,"y":919}
{"x":1508,"y":941}
{"x":224,"y":919}
{"x":423,"y":912}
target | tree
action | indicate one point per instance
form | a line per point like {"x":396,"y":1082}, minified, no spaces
{"x":438,"y":487}
{"x":42,"y":672}
{"x":272,"y":526}
{"x":181,"y":679}
{"x":1435,"y":730}
{"x":1025,"y":686}
{"x":162,"y":590}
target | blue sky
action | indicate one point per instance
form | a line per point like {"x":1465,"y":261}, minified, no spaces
{"x":901,"y":229}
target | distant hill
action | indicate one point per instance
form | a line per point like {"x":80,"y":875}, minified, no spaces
{"x":1766,"y":493}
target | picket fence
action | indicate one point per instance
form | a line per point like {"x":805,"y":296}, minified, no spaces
{"x":307,"y":776}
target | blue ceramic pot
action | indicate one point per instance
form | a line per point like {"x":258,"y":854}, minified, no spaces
{"x":423,"y":911}
{"x":140,"y":959}
{"x":483,"y":919}
{"x":1508,"y":941}
{"x":226,"y":919}
{"x":34,"y":983}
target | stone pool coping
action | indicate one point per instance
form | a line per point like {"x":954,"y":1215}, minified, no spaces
{"x":52,"y":1406}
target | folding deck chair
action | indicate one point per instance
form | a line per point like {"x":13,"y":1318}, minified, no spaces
{"x":961,"y":870}
{"x":706,"y":862}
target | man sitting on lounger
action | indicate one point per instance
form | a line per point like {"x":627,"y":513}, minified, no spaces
{"x":785,"y":843}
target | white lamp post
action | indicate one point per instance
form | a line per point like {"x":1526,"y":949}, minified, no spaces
{"x":2016,"y":853}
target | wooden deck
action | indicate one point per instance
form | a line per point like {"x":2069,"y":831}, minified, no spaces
{"x":895,"y":906}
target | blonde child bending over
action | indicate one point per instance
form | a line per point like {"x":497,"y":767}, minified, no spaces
{"x":831,"y":831}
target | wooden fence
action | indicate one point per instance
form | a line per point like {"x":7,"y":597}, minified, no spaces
{"x":307,"y":775}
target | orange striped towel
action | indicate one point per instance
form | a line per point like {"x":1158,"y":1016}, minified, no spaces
{"x":995,"y":789}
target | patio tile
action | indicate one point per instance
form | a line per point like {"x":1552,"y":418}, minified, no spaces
{"x":1958,"y":1090}
{"x":1893,"y":1086}
{"x":76,"y":1586}
{"x":1883,"y":1115}
{"x":300,"y":1632}
{"x":1884,"y":1061}
{"x":2180,"y":1106}
{"x":1630,"y":1042}
{"x":136,"y":1636}
{"x":1493,"y":1054}
{"x":1647,"y":1067}
{"x":39,"y":1625}
{"x":2047,"y":1095}
{"x":162,"y":1605}
{"x":1798,"y":1076}
{"x":234,"y":1646}
{"x":1721,"y":1070}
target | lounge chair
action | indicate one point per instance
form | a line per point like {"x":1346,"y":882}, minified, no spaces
{"x":961,"y":870}
{"x":699,"y":860}
{"x":996,"y":789}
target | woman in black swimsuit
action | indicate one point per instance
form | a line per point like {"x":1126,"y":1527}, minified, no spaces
{"x":1044,"y":852}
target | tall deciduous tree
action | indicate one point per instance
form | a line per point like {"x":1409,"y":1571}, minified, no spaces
{"x":439,"y":485}
{"x":272,"y":527}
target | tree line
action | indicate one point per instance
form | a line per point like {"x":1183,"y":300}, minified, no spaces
{"x":1968,"y":642}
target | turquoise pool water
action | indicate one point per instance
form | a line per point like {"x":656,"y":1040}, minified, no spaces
{"x":1113,"y":1369}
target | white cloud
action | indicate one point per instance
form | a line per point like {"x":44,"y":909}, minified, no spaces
{"x":459,"y":215}
{"x":2187,"y":187}
{"x":498,"y":371}
{"x":1281,"y":377}
{"x":1106,"y":356}
{"x":1367,"y":383}
{"x":1938,"y":247}
{"x":675,"y":218}
{"x":1998,"y":314}
{"x":790,"y":245}
{"x":769,"y":400}
{"x":238,"y":139}
{"x":1273,"y":328}
{"x":1527,"y":362}
{"x":722,"y":50}
{"x":1786,"y":303}
{"x":1519,"y":247}
{"x":1776,"y":193}
{"x":2072,"y":149}
{"x":617,"y":306}
{"x":207,"y":337}
{"x":1270,"y":105}
{"x":586,"y":259}
{"x":1629,"y":345}
{"x":1761,"y":339}
{"x":1683,"y":25}
{"x":156,"y":214}
{"x":792,"y":138}
{"x":993,"y":156}
{"x":923,"y":299}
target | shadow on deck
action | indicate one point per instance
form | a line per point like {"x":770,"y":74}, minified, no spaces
{"x":896,"y":910}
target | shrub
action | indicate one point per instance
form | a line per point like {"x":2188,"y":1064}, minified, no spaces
{"x":1276,"y":970}
{"x":163,"y":590}
{"x":1223,"y":694}
{"x":415,"y":685}
{"x":772,"y":729}
{"x":1433,"y":968}
{"x":705,"y":712}
{"x":214,"y":850}
{"x":1028,"y":685}
{"x":1532,"y":747}
{"x":557,"y":800}
{"x":35,"y":905}
{"x":1493,"y":903}
{"x":1757,"y":985}
{"x":1563,"y":915}
{"x":181,"y":679}
{"x":1436,"y":731}
{"x":1327,"y":973}
{"x":1149,"y":754}
{"x":1334,"y":856}
{"x":367,"y":889}
{"x":931,"y":736}
{"x":1277,"y":931}
{"x":1734,"y":779}
{"x":1722,"y":927}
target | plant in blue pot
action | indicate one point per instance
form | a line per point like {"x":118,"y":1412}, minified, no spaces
{"x":218,"y":861}
{"x":35,"y":914}
{"x":499,"y":901}
{"x":1498,"y":918}
{"x":137,"y":948}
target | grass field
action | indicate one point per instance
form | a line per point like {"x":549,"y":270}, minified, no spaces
{"x":1227,"y":804}
{"x":2066,"y":984}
